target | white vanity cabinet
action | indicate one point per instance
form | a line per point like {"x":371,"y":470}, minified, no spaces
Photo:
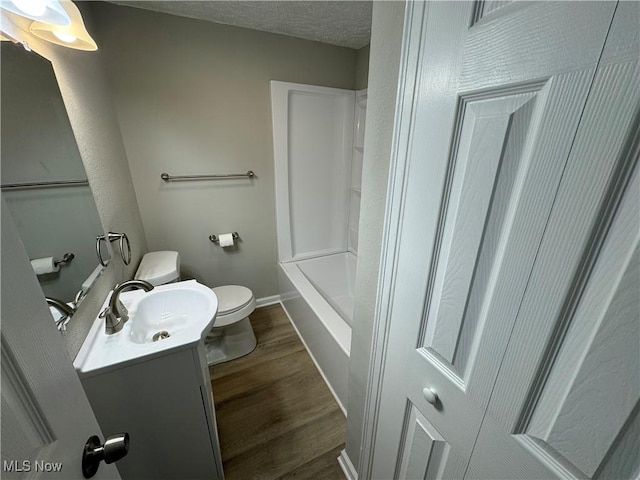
{"x":166,"y":405}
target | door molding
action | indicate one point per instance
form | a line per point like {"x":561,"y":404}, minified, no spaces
{"x":21,"y":405}
{"x":402,"y":135}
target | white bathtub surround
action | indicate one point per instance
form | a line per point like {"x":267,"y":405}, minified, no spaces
{"x":324,"y":333}
{"x":334,"y":277}
{"x":313,"y":147}
{"x":355,"y":192}
{"x":318,"y":137}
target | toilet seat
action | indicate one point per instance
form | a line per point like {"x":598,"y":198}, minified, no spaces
{"x":234,"y":303}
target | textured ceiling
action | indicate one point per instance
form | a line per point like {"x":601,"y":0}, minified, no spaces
{"x":344,"y":23}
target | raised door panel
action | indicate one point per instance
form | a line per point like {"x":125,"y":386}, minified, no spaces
{"x":585,"y":416}
{"x":487,"y":7}
{"x":493,"y":136}
{"x":424,"y":449}
{"x":594,"y":385}
{"x":567,"y":396}
{"x":601,"y":390}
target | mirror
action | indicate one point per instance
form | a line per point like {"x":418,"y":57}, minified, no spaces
{"x":38,"y":146}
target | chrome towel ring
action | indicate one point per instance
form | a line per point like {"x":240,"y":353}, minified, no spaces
{"x":112,"y":237}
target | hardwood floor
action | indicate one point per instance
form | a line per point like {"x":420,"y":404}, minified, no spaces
{"x":276,"y":417}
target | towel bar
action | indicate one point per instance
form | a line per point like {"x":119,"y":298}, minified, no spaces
{"x":56,"y":183}
{"x":172,"y":178}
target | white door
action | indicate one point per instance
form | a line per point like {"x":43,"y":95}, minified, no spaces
{"x":566,"y":402}
{"x":512,"y":159}
{"x":46,"y":417}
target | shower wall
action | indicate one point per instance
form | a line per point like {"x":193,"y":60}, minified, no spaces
{"x":355,"y":192}
{"x":313,"y":151}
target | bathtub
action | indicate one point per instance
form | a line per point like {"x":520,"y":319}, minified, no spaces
{"x":317,"y":295}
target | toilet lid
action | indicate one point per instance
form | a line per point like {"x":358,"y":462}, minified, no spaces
{"x":159,"y":268}
{"x":232,"y":298}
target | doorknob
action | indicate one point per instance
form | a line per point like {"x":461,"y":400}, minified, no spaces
{"x":114,"y":448}
{"x":430,"y":395}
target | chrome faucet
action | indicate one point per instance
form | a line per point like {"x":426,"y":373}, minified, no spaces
{"x":116,"y":314}
{"x":65,"y":310}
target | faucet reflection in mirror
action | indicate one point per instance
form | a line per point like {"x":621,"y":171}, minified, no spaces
{"x":54,"y":21}
{"x":43,"y":178}
{"x":64,"y":312}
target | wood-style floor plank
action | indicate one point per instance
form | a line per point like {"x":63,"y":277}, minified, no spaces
{"x":276,"y":417}
{"x":276,"y":338}
{"x":324,"y":467}
{"x":280,"y":456}
{"x":290,"y":404}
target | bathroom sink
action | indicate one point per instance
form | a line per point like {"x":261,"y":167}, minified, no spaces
{"x":167,"y":319}
{"x":171,"y":312}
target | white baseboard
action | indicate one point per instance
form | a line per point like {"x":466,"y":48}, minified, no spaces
{"x":347,"y":467}
{"x":266,"y":301}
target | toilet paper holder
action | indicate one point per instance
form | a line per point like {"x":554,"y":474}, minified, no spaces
{"x":215,"y":239}
{"x":65,"y":259}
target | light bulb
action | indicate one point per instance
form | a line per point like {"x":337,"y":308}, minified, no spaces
{"x":65,"y":36}
{"x":35,"y":8}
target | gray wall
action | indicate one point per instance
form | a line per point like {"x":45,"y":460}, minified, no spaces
{"x":362,"y":67}
{"x":192,"y":97}
{"x":386,"y":42}
{"x":86,"y":97}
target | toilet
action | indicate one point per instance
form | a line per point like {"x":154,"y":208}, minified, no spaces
{"x":232,"y":335}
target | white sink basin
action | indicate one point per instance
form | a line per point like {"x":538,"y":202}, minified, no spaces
{"x":166,"y":319}
{"x":174,"y":311}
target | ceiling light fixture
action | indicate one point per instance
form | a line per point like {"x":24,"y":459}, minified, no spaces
{"x":74,"y":35}
{"x":49,"y":11}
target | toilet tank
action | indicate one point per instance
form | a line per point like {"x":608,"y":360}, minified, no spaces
{"x":159,"y":268}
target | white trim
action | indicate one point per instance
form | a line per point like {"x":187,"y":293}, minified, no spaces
{"x":409,"y":66}
{"x":266,"y":301}
{"x":347,"y":467}
{"x":335,"y":396}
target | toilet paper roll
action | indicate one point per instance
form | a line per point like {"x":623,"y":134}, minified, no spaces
{"x":226,"y":239}
{"x":42,"y":266}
